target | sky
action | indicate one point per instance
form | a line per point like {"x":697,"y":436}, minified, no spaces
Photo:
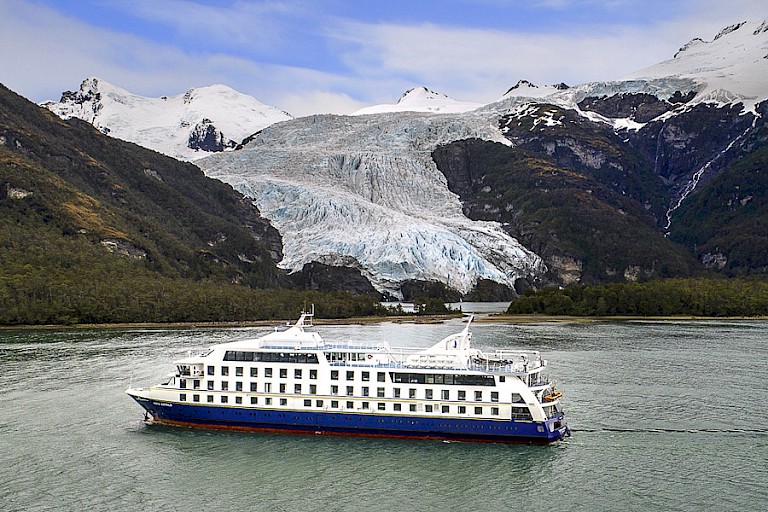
{"x":337,"y":56}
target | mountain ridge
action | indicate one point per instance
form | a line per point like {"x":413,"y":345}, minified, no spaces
{"x":656,"y":139}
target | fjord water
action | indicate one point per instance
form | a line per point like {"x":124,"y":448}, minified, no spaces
{"x":665,"y":416}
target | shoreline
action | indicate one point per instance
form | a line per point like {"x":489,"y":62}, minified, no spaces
{"x":498,"y":318}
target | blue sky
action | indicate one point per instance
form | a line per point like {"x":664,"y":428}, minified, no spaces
{"x":340,"y":55}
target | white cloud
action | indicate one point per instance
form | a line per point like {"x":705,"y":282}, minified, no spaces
{"x":46,"y":52}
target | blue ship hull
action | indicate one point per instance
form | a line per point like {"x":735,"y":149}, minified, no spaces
{"x":353,"y":424}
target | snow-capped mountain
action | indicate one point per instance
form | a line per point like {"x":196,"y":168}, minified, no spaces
{"x":366,"y":191}
{"x":187,"y":126}
{"x":421,"y":99}
{"x":366,"y":188}
{"x":731,"y":68}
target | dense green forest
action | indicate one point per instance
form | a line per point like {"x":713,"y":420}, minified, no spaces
{"x":663,"y":297}
{"x":81,"y":283}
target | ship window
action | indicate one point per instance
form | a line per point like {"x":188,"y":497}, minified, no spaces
{"x":282,"y":388}
{"x":334,"y":390}
{"x":182,"y":383}
{"x":494,"y":411}
{"x":283,"y":373}
{"x":307,"y":403}
{"x":462,"y":409}
{"x":478,"y":410}
{"x":210,"y":398}
{"x":267,"y":387}
{"x":381,"y":377}
{"x":195,"y":398}
{"x":296,"y":374}
{"x":253,"y":387}
{"x":225,"y":370}
{"x":520,"y":413}
{"x":238,"y":371}
{"x":350,"y":391}
{"x":366,"y":405}
{"x":494,"y":396}
{"x":396,"y":392}
{"x":350,"y":375}
{"x":380,"y":392}
{"x":462,"y":394}
{"x":224,"y":385}
{"x":211,"y":370}
{"x":365,"y":390}
{"x":445,"y":409}
{"x":196,"y":384}
{"x":238,"y":399}
{"x":318,"y":403}
{"x":238,"y":386}
{"x":297,"y":388}
{"x":428,"y":394}
{"x":517,"y":398}
{"x":312,"y":389}
{"x":267,"y":401}
{"x":382,"y":406}
{"x":350,"y":405}
{"x":397,"y":407}
{"x":478,"y":396}
{"x":446,"y":394}
{"x":313,"y":374}
{"x":254,"y":400}
{"x":183,"y":397}
{"x":428,"y":408}
{"x":283,"y":401}
{"x":334,"y":374}
{"x":224,"y":399}
{"x":254,"y":372}
{"x":411,"y":392}
{"x":267,"y":372}
{"x":334,"y":404}
{"x":210,"y":385}
{"x":366,"y":376}
{"x":412,"y":407}
{"x":502,"y":378}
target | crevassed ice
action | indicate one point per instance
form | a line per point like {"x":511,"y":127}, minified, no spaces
{"x":367,"y":188}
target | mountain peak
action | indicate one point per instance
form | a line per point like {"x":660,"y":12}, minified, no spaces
{"x":187,"y":126}
{"x":421,"y":99}
{"x":731,"y":68}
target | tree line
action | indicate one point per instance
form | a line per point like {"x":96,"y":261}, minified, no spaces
{"x":665,"y":297}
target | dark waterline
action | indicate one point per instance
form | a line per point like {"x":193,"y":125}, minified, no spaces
{"x":666,"y":416}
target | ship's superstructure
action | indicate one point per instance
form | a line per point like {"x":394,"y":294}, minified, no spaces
{"x":293,"y":381}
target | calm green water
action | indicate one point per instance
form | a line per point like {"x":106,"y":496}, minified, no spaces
{"x":666,"y":416}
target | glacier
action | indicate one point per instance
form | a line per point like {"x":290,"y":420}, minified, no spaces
{"x":365,"y":187}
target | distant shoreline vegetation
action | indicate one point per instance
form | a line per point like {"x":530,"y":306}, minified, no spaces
{"x":735,"y":297}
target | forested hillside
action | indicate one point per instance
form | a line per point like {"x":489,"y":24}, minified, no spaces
{"x":93,"y":229}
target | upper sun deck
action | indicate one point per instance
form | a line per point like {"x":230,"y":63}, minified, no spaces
{"x":454,"y":352}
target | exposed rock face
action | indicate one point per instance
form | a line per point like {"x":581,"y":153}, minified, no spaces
{"x":638,"y":107}
{"x":206,"y":137}
{"x":317,"y":276}
{"x":566,"y":269}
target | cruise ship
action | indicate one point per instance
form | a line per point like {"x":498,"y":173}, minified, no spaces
{"x":291,"y":380}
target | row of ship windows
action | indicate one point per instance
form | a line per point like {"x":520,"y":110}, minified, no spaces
{"x":381,"y":406}
{"x":399,"y":377}
{"x":429,"y":394}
